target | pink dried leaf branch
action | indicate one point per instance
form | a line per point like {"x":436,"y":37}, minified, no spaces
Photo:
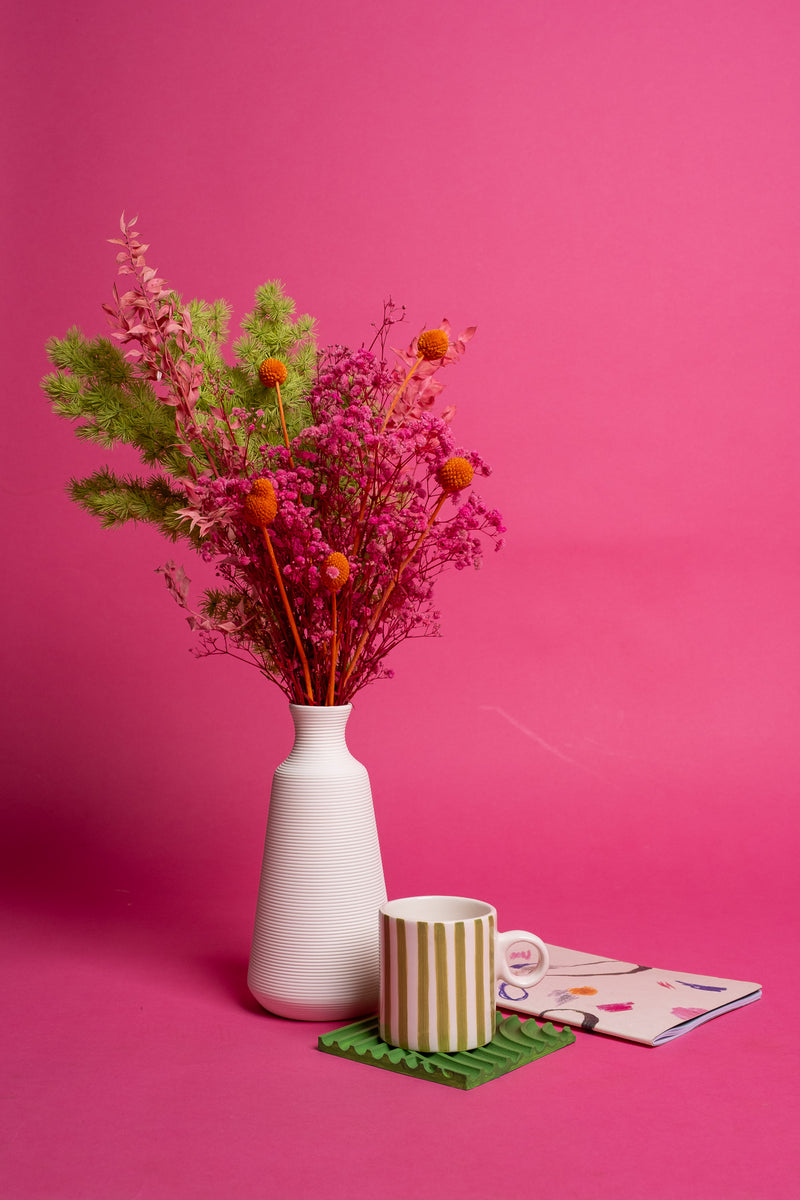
{"x":159,"y":336}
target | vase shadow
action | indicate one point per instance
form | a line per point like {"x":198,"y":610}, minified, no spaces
{"x":111,"y":896}
{"x":230,"y":976}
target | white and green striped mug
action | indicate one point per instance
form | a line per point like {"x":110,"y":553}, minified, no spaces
{"x":441,"y":957}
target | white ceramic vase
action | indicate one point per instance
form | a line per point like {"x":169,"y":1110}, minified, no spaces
{"x":315,"y":952}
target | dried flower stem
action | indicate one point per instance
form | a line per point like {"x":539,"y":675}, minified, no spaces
{"x":283,"y":424}
{"x":387,"y":489}
{"x":400,"y":391}
{"x":373,"y":621}
{"x":288,"y":609}
{"x":334,"y":650}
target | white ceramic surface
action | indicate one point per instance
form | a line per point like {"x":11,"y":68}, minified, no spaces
{"x":314,"y":953}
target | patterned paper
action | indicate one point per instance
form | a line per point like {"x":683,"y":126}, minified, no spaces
{"x":640,"y":1003}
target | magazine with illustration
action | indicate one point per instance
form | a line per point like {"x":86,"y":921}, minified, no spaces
{"x":640,"y":1003}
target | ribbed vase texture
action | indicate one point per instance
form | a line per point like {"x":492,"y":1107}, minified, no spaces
{"x":315,"y":942}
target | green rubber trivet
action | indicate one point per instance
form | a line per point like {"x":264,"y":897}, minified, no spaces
{"x":515,"y":1043}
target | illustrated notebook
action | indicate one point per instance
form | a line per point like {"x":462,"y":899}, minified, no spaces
{"x":642,"y":1004}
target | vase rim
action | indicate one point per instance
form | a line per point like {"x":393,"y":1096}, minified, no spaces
{"x":321,"y":707}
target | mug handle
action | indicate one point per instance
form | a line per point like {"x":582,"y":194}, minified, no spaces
{"x":503,"y":969}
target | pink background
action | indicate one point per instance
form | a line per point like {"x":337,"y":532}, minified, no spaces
{"x":604,"y":741}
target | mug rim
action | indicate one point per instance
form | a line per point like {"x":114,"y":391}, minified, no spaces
{"x":441,"y":910}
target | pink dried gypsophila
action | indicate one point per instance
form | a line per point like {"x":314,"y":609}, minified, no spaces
{"x":322,"y":501}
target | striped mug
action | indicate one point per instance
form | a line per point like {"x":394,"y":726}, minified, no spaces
{"x":441,"y":957}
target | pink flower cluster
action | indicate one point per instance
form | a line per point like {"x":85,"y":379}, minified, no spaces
{"x":365,"y":493}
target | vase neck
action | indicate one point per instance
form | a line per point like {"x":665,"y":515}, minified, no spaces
{"x":319,"y":727}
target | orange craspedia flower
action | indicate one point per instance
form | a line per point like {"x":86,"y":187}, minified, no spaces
{"x":260,"y":504}
{"x":455,"y":474}
{"x":432,"y":343}
{"x":272,"y":371}
{"x":335,"y":562}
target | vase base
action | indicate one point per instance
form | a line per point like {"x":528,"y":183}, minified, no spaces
{"x":299,"y":1010}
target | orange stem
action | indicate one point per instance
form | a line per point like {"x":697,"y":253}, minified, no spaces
{"x":334,"y":652}
{"x":283,"y":423}
{"x":288,"y":608}
{"x":386,"y":420}
{"x":400,"y":391}
{"x":373,"y":621}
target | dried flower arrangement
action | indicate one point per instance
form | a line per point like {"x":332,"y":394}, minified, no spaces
{"x":313,"y":480}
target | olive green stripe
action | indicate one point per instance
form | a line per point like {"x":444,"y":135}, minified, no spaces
{"x":461,"y":986}
{"x":386,"y":977}
{"x":402,"y":979}
{"x":442,"y":999}
{"x":492,"y":972}
{"x":480,"y":982}
{"x":423,"y":987}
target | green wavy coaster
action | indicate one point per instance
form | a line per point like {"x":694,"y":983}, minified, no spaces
{"x":515,"y":1043}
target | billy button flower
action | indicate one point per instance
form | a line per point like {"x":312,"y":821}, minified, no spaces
{"x":453,"y":475}
{"x":260,"y":504}
{"x":431,"y":344}
{"x":273,"y":373}
{"x":335,"y":574}
{"x":260,"y":508}
{"x":338,"y":563}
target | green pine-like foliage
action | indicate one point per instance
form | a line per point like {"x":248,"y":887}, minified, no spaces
{"x":111,"y":401}
{"x":115,"y":499}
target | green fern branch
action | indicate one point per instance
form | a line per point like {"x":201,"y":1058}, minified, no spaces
{"x":270,"y":332}
{"x":115,"y":500}
{"x":96,"y":386}
{"x":111,"y":401}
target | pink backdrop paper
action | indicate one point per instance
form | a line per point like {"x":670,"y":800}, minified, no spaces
{"x":603,"y":743}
